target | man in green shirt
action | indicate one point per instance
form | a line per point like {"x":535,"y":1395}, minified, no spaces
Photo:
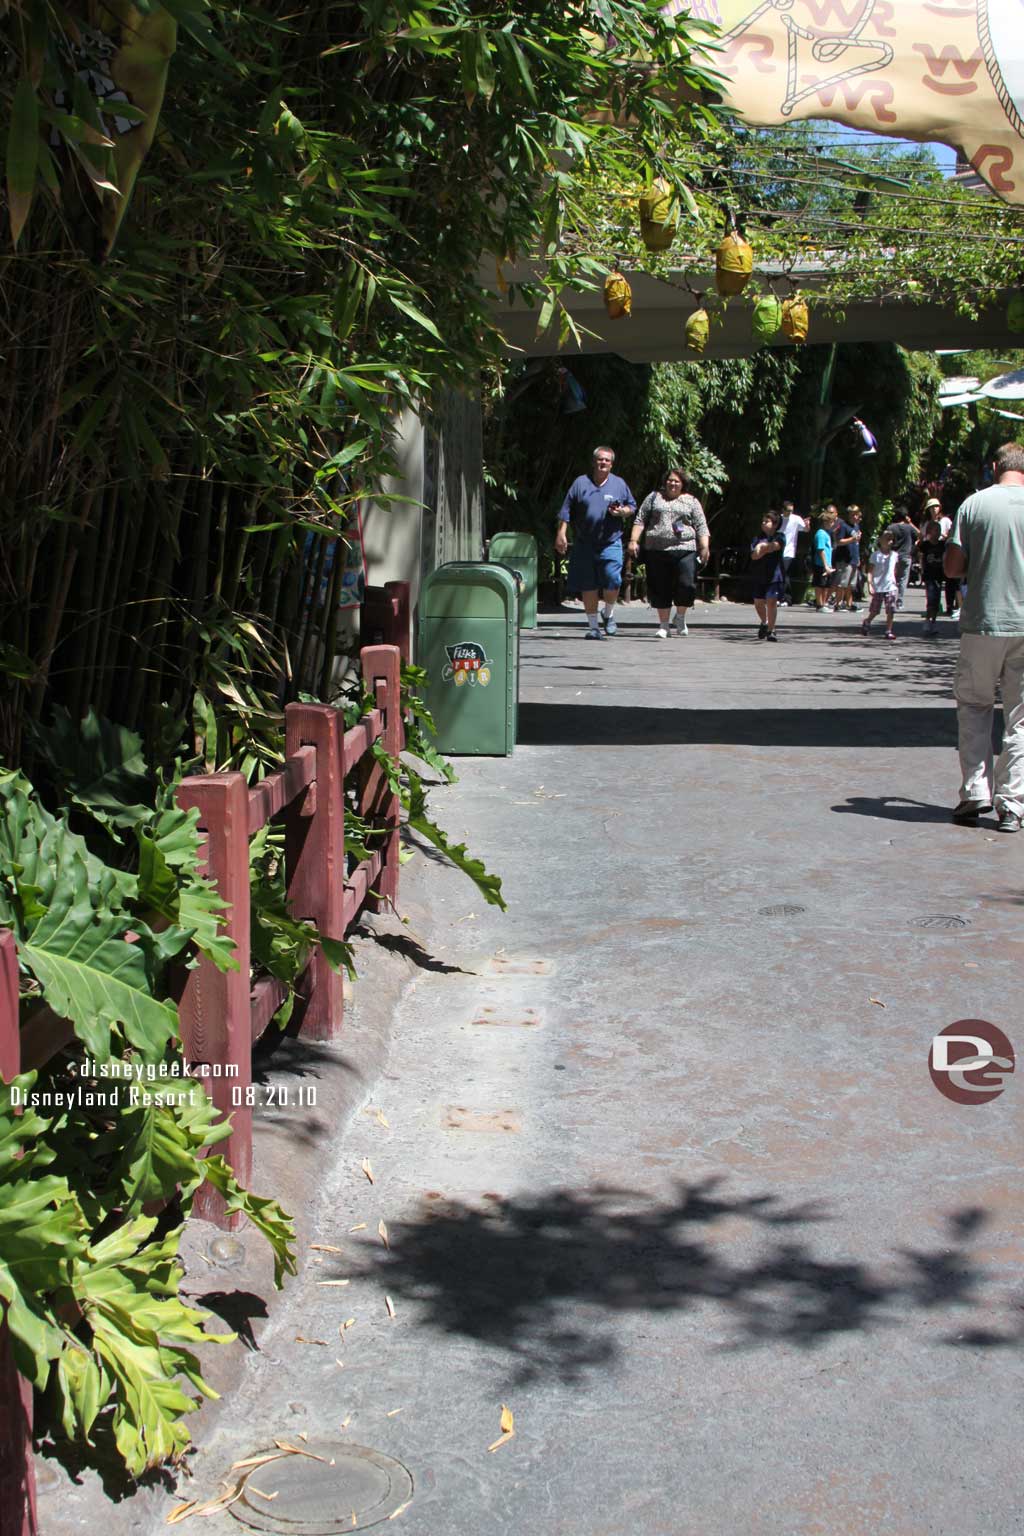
{"x":987,"y":547}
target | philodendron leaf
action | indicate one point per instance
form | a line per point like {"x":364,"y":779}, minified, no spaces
{"x":126,"y":1291}
{"x":277,"y":1227}
{"x":489,"y":886}
{"x":91,"y":975}
{"x":160,"y":1142}
{"x":42,"y":1230}
{"x":100,"y":766}
{"x":168,"y":853}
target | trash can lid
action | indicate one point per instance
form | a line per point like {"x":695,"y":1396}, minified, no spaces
{"x":513,"y":544}
{"x":469,"y":588}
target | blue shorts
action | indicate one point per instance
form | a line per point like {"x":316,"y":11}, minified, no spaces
{"x":595,"y":570}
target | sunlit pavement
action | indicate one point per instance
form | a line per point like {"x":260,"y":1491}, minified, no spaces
{"x":658,"y":1156}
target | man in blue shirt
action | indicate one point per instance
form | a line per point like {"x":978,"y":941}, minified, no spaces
{"x":596,"y":505}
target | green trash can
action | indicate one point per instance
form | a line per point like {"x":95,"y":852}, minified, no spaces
{"x":469,"y":648}
{"x":519,"y":552}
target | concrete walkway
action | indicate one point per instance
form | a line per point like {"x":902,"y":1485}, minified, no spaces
{"x":657,"y":1154}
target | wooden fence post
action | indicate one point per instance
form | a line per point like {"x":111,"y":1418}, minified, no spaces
{"x":315,"y":860}
{"x":382,"y":666}
{"x":215,"y":1009}
{"x":400,"y":630}
{"x":17,"y":1477}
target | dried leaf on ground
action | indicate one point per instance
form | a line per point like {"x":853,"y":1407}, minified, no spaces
{"x":392,"y":1411}
{"x":181,"y":1512}
{"x":349,"y":1322}
{"x":257,"y":1461}
{"x":400,"y":1510}
{"x":213,"y":1506}
{"x":367,"y":1169}
{"x":301,"y":1339}
{"x":382,"y":1233}
{"x":379,"y":1115}
{"x":346,"y":1422}
{"x":359,"y":1227}
{"x":508,"y":1428}
{"x":334,"y":1282}
{"x":298,"y":1450}
{"x":325,"y":1248}
{"x":259,"y":1491}
{"x":390,"y":1306}
{"x":877,"y":1002}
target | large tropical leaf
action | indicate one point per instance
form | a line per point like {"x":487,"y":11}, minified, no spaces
{"x":91,"y":975}
{"x":488,"y":885}
{"x":265,"y":1214}
{"x":99,"y":766}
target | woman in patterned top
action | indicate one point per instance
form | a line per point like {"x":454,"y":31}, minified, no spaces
{"x":676,"y":539}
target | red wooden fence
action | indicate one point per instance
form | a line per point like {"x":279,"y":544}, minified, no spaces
{"x":223,"y":1014}
{"x":385,"y":617}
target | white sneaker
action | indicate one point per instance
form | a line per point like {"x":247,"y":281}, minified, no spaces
{"x":663,"y":633}
{"x":680,"y":629}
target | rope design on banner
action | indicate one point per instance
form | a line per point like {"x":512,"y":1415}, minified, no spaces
{"x":1006,"y":101}
{"x":824,"y":50}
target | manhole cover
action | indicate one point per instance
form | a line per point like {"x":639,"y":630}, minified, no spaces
{"x":941,"y":920}
{"x":361,"y":1489}
{"x":784,"y":909}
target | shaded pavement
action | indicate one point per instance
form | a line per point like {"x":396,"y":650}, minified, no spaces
{"x":658,"y":1157}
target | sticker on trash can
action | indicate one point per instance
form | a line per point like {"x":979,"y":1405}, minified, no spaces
{"x":467,"y":663}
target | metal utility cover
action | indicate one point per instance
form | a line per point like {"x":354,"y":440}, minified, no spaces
{"x":315,"y":1498}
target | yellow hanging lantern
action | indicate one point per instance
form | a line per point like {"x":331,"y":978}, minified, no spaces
{"x":618,"y":296}
{"x":1015,"y":312}
{"x":698,"y":329}
{"x":659,"y":216}
{"x":796,"y":318}
{"x":734,"y":262}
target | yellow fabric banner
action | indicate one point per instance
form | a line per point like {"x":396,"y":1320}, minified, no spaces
{"x":948,"y":70}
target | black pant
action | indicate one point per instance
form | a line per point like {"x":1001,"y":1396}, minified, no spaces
{"x":787,"y":561}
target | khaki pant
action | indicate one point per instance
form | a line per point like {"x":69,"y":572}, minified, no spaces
{"x":991,"y":664}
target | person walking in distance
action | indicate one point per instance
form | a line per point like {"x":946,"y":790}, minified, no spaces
{"x":596,"y":505}
{"x":676,"y":540}
{"x":986,"y":544}
{"x":844,"y":537}
{"x":767,"y":579}
{"x":847,"y":597}
{"x":933,"y":551}
{"x":793,"y":525}
{"x":882,"y":585}
{"x":824,"y":570}
{"x":951,"y":589}
{"x":904,"y":542}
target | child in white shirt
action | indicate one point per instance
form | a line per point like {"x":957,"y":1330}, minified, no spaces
{"x":882,"y":584}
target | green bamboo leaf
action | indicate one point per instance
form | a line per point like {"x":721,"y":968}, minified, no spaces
{"x":415,"y":314}
{"x":470,"y":44}
{"x":484,"y":66}
{"x":75,"y":129}
{"x":22,"y":155}
{"x":95,"y":416}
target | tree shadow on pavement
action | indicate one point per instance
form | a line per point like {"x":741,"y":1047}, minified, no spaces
{"x":544,"y":1277}
{"x":892,"y":808}
{"x":624,"y":725}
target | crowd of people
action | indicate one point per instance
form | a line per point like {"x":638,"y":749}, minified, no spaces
{"x":668,"y":532}
{"x":972,"y":567}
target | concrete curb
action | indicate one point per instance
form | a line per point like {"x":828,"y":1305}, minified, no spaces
{"x":231,"y":1275}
